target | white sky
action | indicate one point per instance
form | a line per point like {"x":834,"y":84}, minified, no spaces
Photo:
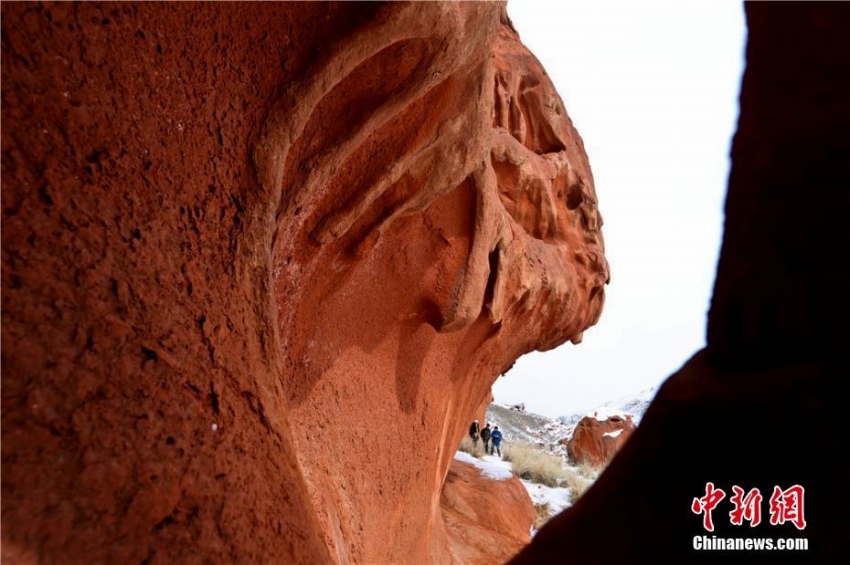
{"x":652,"y":87}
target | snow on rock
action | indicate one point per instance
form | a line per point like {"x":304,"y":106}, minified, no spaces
{"x":615,"y":433}
{"x":487,"y":521}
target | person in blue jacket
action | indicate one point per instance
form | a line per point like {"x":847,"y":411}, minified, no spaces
{"x":496,"y":438}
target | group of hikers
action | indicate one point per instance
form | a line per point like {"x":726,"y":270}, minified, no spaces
{"x":492,"y":438}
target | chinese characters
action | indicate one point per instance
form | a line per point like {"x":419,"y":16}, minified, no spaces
{"x":784,"y":506}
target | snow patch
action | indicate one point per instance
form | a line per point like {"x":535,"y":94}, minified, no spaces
{"x":615,"y":433}
{"x":490,"y":466}
{"x":558,"y":499}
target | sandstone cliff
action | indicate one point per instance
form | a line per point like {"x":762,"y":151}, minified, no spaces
{"x":261,"y":262}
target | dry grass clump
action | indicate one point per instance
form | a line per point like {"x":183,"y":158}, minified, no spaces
{"x":476,"y":450}
{"x":579,"y":479}
{"x":577,"y":484}
{"x":532,"y":464}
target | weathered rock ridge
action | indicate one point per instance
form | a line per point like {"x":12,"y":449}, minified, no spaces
{"x":261,"y":262}
{"x":596,"y":440}
{"x":761,"y":406}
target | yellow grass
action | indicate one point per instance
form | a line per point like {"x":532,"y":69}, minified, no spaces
{"x":579,"y":480}
{"x":467,"y":447}
{"x":533,"y":464}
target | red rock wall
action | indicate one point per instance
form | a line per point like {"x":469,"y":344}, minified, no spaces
{"x":134,"y":280}
{"x":260,"y":264}
{"x":773,"y":373}
{"x":408,"y":257}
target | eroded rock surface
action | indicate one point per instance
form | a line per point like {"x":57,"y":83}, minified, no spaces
{"x":437,"y":234}
{"x":260,"y":264}
{"x":596,"y":440}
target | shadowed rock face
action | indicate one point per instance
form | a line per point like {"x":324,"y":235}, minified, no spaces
{"x":261,"y":262}
{"x":762,"y":405}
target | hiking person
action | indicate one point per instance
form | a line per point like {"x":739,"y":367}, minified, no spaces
{"x":485,"y":437}
{"x":474,"y":432}
{"x":496,"y":438}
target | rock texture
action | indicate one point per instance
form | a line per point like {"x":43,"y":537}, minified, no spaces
{"x":775,"y":365}
{"x":595,"y":441}
{"x":480,"y":413}
{"x":486,"y":521}
{"x":412,"y":258}
{"x":260,"y":264}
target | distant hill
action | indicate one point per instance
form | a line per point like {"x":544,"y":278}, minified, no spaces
{"x":519,"y":426}
{"x":635,"y":405}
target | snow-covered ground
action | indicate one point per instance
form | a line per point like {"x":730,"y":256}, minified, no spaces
{"x":558,"y":498}
{"x":490,"y":466}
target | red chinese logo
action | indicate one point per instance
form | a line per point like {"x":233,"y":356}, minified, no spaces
{"x":706,"y":504}
{"x":787,"y":506}
{"x":747,"y":507}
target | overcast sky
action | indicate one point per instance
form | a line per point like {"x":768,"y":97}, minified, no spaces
{"x":652,"y":87}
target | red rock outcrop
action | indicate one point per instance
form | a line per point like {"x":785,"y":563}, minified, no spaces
{"x":261,"y":262}
{"x":595,"y":441}
{"x":486,"y":520}
{"x":480,"y":412}
{"x":775,"y":366}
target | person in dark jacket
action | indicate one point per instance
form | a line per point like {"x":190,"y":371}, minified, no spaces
{"x":474,"y":433}
{"x":496,"y":438}
{"x":485,"y":437}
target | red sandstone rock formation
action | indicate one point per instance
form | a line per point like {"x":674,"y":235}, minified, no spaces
{"x":427,"y":245}
{"x":486,"y":521}
{"x":260,"y":264}
{"x":595,"y":441}
{"x":480,"y":412}
{"x":775,"y":365}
